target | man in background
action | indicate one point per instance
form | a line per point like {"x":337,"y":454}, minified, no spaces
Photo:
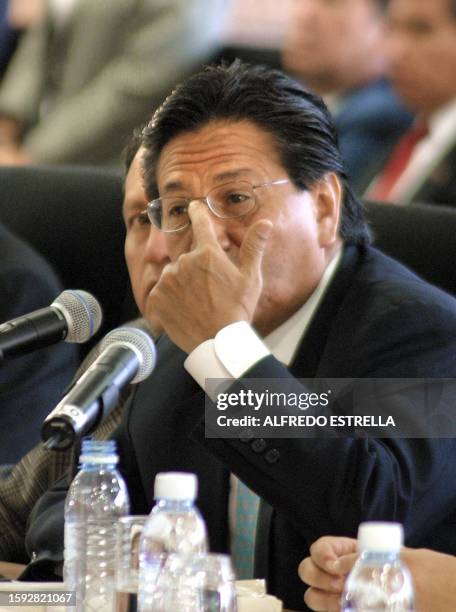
{"x":421,"y":167}
{"x":40,"y":469}
{"x":337,"y":49}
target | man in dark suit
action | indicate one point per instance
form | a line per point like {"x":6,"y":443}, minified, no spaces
{"x":422,"y":52}
{"x":29,"y":385}
{"x":264,"y":234}
{"x":271,"y":277}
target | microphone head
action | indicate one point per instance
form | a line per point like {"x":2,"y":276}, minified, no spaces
{"x":138,"y":341}
{"x":82,"y":313}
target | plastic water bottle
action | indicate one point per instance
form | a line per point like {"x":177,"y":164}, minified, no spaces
{"x":379,"y":581}
{"x":96,"y":499}
{"x":174,"y":526}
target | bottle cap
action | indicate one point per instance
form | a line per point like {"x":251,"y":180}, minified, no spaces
{"x":98,"y":451}
{"x":177,"y":486}
{"x":380,"y":537}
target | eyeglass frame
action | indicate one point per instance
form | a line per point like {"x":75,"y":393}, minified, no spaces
{"x":208,"y":204}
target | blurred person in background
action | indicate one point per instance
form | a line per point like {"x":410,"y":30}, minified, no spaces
{"x":256,"y":24}
{"x":8,"y":37}
{"x":422,"y":60}
{"x":91,"y":71}
{"x":338,"y":50}
{"x":15,"y":17}
{"x":30,"y":385}
{"x":331,"y":559}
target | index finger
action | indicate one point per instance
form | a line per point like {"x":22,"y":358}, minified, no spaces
{"x":202,"y":227}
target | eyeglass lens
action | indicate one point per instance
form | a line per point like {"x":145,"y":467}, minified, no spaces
{"x":226,"y":201}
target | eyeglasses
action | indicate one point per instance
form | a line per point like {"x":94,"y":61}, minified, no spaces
{"x":228,"y":201}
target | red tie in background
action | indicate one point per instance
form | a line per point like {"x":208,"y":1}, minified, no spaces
{"x":397,"y":162}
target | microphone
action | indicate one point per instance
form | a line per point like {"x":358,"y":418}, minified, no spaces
{"x":74,"y":316}
{"x":127,"y":355}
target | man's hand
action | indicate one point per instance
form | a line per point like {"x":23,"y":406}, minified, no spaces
{"x":203,"y":291}
{"x":331,"y":559}
{"x":325,"y":571}
{"x":433,"y":578}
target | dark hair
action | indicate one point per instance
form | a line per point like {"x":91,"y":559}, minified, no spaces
{"x":298,"y":121}
{"x":132,"y":147}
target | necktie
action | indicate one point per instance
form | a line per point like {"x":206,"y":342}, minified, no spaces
{"x":247,"y":503}
{"x":397,"y":163}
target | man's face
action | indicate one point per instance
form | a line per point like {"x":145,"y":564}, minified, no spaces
{"x":145,"y":248}
{"x":422,"y":52}
{"x":328,"y":41}
{"x":304,"y":222}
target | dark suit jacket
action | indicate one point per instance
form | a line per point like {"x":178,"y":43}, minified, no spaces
{"x":30,"y":385}
{"x":376,"y":320}
{"x":369,"y":121}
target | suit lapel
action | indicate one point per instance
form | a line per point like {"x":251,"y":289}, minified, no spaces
{"x":308,"y":356}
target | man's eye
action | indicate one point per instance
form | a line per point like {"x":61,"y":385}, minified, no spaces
{"x":141,"y":219}
{"x":177,"y":210}
{"x":236,"y":198}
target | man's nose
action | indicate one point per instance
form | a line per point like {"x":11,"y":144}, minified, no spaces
{"x":219,"y":225}
{"x":157,"y":250}
{"x":221,"y":231}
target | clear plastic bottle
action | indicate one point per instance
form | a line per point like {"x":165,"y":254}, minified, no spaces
{"x":96,"y":499}
{"x":174,"y":526}
{"x":379,"y":580}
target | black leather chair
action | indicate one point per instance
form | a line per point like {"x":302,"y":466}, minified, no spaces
{"x":72,"y":215}
{"x":422,"y":236}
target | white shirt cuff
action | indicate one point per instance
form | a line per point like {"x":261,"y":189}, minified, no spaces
{"x":233,"y":351}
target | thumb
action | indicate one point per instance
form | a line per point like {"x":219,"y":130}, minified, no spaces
{"x":253,"y":246}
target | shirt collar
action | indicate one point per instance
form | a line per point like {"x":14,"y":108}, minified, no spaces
{"x":442,"y":117}
{"x":284,"y":340}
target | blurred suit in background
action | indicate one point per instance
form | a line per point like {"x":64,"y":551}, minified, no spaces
{"x":30,"y":385}
{"x":83,"y":79}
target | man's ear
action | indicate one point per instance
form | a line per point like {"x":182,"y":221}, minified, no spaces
{"x":328,"y":194}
